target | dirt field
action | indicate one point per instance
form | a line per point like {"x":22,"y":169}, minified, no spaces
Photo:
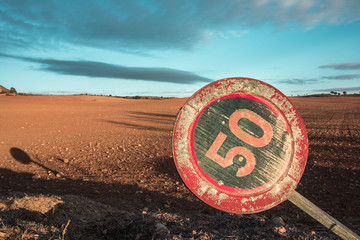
{"x":114,"y":156}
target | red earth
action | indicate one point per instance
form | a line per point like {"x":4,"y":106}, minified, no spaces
{"x":117,"y":151}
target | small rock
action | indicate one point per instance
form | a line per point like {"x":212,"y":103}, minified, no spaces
{"x":161,"y":228}
{"x":262,"y":221}
{"x":279,"y":231}
{"x":35,"y":177}
{"x":3,"y":234}
{"x":59,"y":175}
{"x":277,"y":222}
{"x":66,"y":160}
{"x":3,"y":206}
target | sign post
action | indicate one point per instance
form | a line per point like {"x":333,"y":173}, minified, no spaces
{"x":241,"y":146}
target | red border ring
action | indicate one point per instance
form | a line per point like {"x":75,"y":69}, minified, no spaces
{"x":207,"y":191}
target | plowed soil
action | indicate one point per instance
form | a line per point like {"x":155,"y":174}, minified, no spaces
{"x":117,"y":152}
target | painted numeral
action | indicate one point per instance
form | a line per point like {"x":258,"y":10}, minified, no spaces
{"x":212,"y":153}
{"x":241,"y":134}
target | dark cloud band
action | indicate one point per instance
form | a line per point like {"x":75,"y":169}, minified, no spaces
{"x":343,"y":77}
{"x":297,"y":81}
{"x":343,"y":66}
{"x":105,"y":70}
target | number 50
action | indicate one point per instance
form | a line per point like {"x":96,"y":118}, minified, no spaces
{"x":244,"y":136}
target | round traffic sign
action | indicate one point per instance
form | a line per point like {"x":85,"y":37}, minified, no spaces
{"x":240,"y":145}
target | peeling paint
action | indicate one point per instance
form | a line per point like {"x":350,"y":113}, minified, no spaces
{"x":222,"y":196}
{"x":206,"y":187}
{"x":211,"y":191}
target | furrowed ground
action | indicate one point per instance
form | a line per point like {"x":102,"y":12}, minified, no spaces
{"x":106,"y":165}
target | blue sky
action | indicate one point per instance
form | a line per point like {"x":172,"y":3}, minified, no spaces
{"x":173,"y":48}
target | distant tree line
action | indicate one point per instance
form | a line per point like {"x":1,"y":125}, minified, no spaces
{"x":336,"y":93}
{"x":12,"y":90}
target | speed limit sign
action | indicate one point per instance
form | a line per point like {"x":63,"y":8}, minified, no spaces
{"x":240,"y":145}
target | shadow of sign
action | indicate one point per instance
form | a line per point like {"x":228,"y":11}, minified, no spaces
{"x":22,"y":157}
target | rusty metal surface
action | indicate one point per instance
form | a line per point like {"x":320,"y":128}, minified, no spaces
{"x":240,"y":145}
